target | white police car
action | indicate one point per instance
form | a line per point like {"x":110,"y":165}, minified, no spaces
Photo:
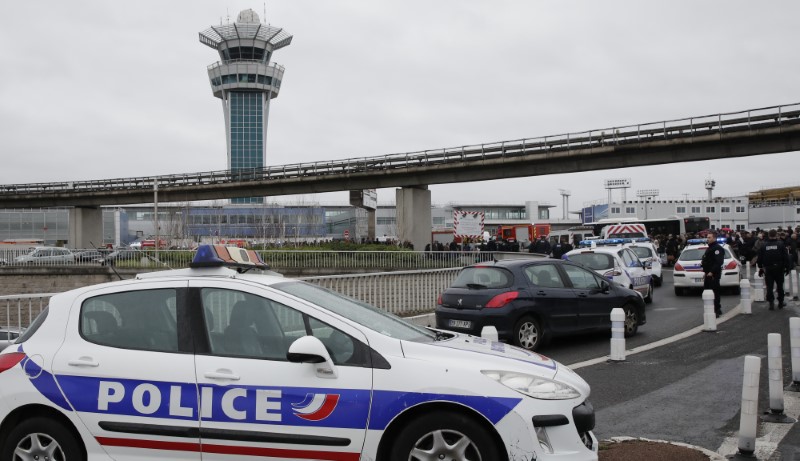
{"x":648,"y":256}
{"x":216,"y":364}
{"x":609,"y":258}
{"x":687,"y":274}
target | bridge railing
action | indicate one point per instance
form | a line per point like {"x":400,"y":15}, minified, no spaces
{"x":388,"y":290}
{"x":280,"y":260}
{"x":718,"y":124}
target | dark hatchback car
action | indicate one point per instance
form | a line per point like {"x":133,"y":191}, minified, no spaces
{"x":530,"y":301}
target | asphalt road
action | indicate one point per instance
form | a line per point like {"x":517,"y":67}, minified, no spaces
{"x":667,"y":316}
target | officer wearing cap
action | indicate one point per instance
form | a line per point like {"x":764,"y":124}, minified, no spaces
{"x":712,"y":262}
{"x":773,"y":264}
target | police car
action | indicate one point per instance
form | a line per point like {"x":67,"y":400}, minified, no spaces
{"x":214,"y":363}
{"x":611,"y":259}
{"x":648,"y":256}
{"x":688,"y":274}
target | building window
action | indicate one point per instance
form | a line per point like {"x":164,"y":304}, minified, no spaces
{"x":680,"y":209}
{"x":711,"y":209}
{"x":725,"y":226}
{"x":386,"y":221}
{"x":740,"y":209}
{"x":615,"y":209}
{"x":438,"y":221}
{"x":695,"y":209}
{"x":725,"y":209}
{"x":630,"y":210}
{"x":740,"y":227}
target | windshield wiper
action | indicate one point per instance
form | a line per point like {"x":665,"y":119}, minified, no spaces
{"x":475,"y":286}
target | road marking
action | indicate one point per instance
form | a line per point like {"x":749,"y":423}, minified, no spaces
{"x":772,"y":433}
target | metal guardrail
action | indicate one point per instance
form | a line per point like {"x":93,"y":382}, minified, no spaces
{"x":279,"y":260}
{"x":387,"y":290}
{"x":718,"y":124}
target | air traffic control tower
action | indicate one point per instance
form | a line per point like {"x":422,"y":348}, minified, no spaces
{"x":245,"y":81}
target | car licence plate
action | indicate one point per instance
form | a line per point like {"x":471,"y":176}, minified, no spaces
{"x":459,"y":323}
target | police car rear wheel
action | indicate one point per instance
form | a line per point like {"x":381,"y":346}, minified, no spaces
{"x":41,"y":439}
{"x":528,"y":333}
{"x":444,"y":436}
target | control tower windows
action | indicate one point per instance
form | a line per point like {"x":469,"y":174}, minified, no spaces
{"x":244,"y":52}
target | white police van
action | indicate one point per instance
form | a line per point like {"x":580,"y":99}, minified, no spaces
{"x":213,"y":363}
{"x":611,"y":259}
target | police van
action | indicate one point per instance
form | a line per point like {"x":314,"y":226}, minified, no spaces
{"x":221,"y":362}
{"x":612,"y":260}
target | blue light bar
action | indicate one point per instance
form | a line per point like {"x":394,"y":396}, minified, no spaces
{"x":720,"y":240}
{"x":603,"y":242}
{"x":224,"y":256}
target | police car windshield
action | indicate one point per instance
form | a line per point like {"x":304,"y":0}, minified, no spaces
{"x":594,"y":261}
{"x":642,"y":252}
{"x":362,"y":313}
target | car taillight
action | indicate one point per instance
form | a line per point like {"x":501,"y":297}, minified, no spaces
{"x":502,"y":299}
{"x":439,"y":300}
{"x":678,"y":267}
{"x":10,"y":360}
{"x":731,"y":265}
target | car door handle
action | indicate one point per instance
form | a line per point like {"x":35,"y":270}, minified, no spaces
{"x":222,"y":374}
{"x":541,"y":293}
{"x":583,"y":295}
{"x":83,"y":362}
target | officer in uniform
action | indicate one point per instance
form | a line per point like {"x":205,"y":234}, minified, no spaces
{"x":773,"y":264}
{"x":712,"y":262}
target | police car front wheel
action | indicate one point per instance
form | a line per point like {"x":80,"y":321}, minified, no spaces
{"x":41,"y":439}
{"x":444,"y":436}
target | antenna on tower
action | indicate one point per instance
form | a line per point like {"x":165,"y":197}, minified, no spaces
{"x":265,"y":12}
{"x":227,"y":15}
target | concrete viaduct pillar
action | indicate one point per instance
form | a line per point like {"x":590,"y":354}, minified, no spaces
{"x":85,"y":227}
{"x":414,"y":215}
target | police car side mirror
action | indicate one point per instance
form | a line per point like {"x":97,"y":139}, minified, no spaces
{"x":309,"y":349}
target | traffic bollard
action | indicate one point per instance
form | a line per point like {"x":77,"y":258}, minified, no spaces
{"x":775,"y":368}
{"x":758,"y":288}
{"x":709,"y":317}
{"x":749,"y":273}
{"x":617,"y":335}
{"x":795,"y":285}
{"x":490,"y":332}
{"x":744,"y":289}
{"x":794,"y":342}
{"x":748,"y":421}
{"x":787,"y":285}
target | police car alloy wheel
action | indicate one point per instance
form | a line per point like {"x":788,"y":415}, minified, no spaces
{"x":445,"y":436}
{"x":41,"y":439}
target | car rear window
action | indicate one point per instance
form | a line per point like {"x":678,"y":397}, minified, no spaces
{"x":594,"y":261}
{"x":696,"y":254}
{"x":479,"y":277}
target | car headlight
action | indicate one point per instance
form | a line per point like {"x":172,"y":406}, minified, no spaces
{"x":533,"y":386}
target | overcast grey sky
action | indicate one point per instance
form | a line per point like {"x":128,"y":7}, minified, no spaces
{"x":99,"y":89}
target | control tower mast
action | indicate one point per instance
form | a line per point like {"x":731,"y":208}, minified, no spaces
{"x":245,"y":81}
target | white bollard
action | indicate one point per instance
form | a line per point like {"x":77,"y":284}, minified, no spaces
{"x":787,"y":287}
{"x":758,"y":288}
{"x":748,"y":421}
{"x":617,"y":335}
{"x":795,"y":285}
{"x":775,"y":368}
{"x":749,"y":273}
{"x":744,"y":289}
{"x":490,"y":332}
{"x":709,"y":317}
{"x":794,"y":342}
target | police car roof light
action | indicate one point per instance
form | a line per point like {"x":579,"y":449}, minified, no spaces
{"x":720,"y":240}
{"x":224,"y":256}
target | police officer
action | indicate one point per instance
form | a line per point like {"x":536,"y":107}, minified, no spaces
{"x":712,"y":262}
{"x":773,"y":264}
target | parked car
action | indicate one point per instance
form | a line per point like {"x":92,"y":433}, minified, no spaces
{"x":687,"y":274}
{"x":529,"y":301}
{"x":88,"y":256}
{"x":47,"y":255}
{"x":209,"y":362}
{"x":610,"y":259}
{"x":648,"y":256}
{"x":120,"y":255}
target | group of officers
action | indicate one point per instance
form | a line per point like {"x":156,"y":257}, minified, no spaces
{"x":773,"y":263}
